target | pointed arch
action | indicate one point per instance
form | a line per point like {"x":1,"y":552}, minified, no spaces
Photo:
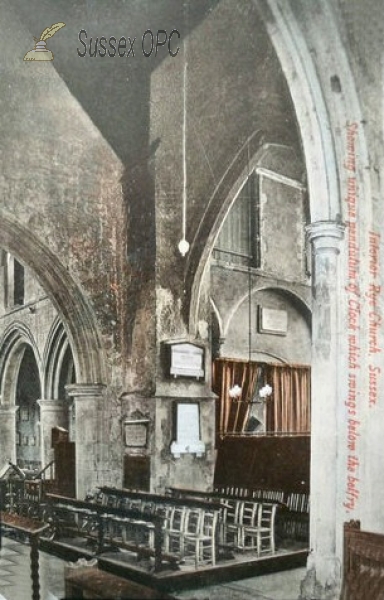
{"x":56,"y":351}
{"x":13,"y":343}
{"x":301,"y":302}
{"x":67,"y":296}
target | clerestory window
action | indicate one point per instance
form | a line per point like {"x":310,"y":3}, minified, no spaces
{"x":238,"y":242}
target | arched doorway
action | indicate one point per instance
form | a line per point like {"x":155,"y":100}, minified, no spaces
{"x":57,"y":410}
{"x":20,"y":389}
{"x":28,"y":392}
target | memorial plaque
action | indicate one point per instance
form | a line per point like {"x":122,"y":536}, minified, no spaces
{"x":187,"y":360}
{"x":136,"y":433}
{"x":188,"y":426}
{"x":188,"y":430}
{"x":273,"y":321}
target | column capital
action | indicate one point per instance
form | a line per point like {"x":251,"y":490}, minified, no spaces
{"x":48,"y":404}
{"x":5,"y":408}
{"x":85,"y":390}
{"x":326,"y":235}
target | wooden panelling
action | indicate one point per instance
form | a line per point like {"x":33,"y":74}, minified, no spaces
{"x":273,"y":463}
{"x":65,"y":464}
{"x":363,"y":575}
{"x":137,"y":472}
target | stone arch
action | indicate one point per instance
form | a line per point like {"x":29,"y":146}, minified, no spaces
{"x":16,"y":338}
{"x":55,"y":351}
{"x":306,"y":70}
{"x":315,"y":128}
{"x":214,"y":215}
{"x":310,"y":108}
{"x":243,"y":339}
{"x":316,"y":124}
{"x":242,"y":165}
{"x":299,"y":300}
{"x":218,"y":317}
{"x":68,"y":298}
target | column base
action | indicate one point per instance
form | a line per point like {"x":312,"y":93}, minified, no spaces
{"x":322,"y":580}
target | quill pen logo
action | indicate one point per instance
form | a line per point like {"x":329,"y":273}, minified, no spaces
{"x":40,"y":51}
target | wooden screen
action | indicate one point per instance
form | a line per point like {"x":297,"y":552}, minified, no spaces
{"x":363,"y":576}
{"x":270,"y":463}
{"x":137,"y":473}
{"x":65,"y":468}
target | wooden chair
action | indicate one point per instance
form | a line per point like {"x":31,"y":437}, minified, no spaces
{"x":114,"y":529}
{"x":230,"y":523}
{"x":199,"y":538}
{"x":110,"y":501}
{"x":262,"y":537}
{"x":173,"y":529}
{"x":248,"y":518}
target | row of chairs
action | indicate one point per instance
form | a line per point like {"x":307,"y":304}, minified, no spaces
{"x":293,"y":520}
{"x":244,"y":523}
{"x":249,"y":525}
{"x":189,"y":533}
{"x":195,"y":532}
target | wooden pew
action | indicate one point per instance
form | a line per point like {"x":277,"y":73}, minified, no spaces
{"x":363,"y":565}
{"x":209,"y":513}
{"x":95,"y":583}
{"x":108,"y":526}
{"x":74,"y":518}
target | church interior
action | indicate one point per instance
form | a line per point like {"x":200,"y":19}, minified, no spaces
{"x":190,"y":287}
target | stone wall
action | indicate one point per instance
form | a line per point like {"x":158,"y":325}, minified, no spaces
{"x":91,"y":191}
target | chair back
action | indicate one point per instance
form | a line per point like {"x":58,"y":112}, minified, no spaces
{"x":193,"y":521}
{"x":248,"y":513}
{"x":209,"y":523}
{"x":232,"y":511}
{"x":267,"y":514}
{"x":177,"y":516}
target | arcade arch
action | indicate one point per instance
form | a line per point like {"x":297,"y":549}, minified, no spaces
{"x":68,"y":299}
{"x":35,"y":369}
{"x":325,"y":232}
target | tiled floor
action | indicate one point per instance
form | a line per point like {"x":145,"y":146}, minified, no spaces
{"x":15,"y":576}
{"x":15,"y":580}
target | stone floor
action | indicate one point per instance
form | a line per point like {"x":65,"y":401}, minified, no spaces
{"x":15,"y":580}
{"x":15,"y":576}
{"x":279,"y":586}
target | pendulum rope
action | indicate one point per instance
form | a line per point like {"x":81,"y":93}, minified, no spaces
{"x":183,"y":244}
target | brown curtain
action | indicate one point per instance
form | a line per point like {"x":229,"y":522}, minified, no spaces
{"x":288,"y":408}
{"x":232,"y":414}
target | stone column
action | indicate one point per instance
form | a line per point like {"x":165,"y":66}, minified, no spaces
{"x":324,"y":564}
{"x":52,"y":413}
{"x":7,"y":434}
{"x":87,"y":400}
